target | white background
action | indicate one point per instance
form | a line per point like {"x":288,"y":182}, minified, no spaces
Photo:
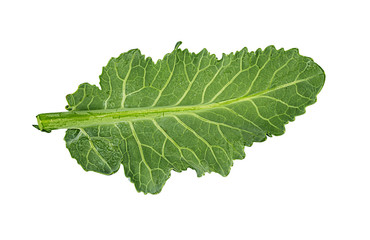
{"x":311,"y":183}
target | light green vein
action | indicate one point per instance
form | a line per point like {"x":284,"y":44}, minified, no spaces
{"x":202,"y":139}
{"x":94,"y":149}
{"x":140,"y":149}
{"x":167,"y":82}
{"x":175,"y":144}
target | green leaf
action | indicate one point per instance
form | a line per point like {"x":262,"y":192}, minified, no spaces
{"x":185,"y":111}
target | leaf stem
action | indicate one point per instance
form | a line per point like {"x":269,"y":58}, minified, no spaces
{"x":79,"y":119}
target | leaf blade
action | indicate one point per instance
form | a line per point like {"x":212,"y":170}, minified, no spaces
{"x":186,"y":111}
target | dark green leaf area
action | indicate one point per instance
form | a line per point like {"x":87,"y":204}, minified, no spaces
{"x":206,"y":110}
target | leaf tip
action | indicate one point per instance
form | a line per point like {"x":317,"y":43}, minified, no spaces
{"x":177,"y":45}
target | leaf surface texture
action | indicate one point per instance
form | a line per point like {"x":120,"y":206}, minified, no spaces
{"x":206,"y":110}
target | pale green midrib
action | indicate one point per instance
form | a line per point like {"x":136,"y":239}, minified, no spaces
{"x":86,"y":118}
